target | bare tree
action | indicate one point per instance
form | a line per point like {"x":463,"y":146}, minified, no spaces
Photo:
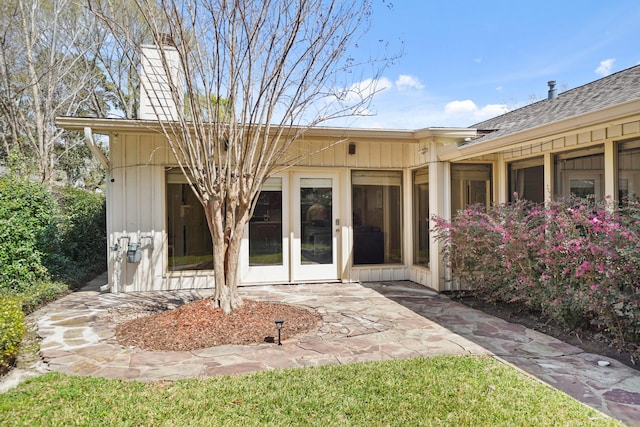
{"x":255,"y":76}
{"x":44,"y":74}
{"x":120,"y":67}
{"x":10,"y":80}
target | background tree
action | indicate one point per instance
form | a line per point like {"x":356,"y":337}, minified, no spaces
{"x":10,"y":84}
{"x":45,"y":72}
{"x":281,"y":67}
{"x":120,"y":67}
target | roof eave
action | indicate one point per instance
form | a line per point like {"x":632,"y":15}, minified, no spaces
{"x":124,"y":125}
{"x":610,"y":116}
{"x":107,"y":125}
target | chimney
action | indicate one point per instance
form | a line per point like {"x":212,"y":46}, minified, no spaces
{"x":552,"y":89}
{"x":156,"y":100}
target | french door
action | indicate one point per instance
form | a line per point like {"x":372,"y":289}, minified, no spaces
{"x":293,"y":234}
{"x":314,"y":253}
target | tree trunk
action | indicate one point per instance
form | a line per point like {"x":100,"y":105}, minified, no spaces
{"x":226,"y":252}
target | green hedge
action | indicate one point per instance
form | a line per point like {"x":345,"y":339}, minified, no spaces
{"x":49,"y":235}
{"x":12,"y":330}
{"x":28,"y":229}
{"x":49,"y":241}
{"x":83,"y":237}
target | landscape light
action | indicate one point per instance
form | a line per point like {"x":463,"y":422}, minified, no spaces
{"x":279,"y":323}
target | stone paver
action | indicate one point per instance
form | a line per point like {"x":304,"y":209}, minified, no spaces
{"x":612,"y":389}
{"x":361,"y":322}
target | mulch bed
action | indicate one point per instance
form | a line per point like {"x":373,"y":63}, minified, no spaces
{"x":199,"y":324}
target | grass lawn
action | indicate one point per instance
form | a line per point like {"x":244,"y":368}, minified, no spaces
{"x":441,"y":391}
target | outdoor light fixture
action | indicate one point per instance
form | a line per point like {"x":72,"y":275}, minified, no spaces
{"x":279,"y":323}
{"x":352,"y":148}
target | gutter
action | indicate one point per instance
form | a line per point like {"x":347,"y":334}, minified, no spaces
{"x":322,"y":132}
{"x":88,"y":139}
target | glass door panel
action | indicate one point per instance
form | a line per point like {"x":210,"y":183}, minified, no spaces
{"x":315,"y":227}
{"x":265,"y":226}
{"x":265,"y":245}
{"x":316,"y":219}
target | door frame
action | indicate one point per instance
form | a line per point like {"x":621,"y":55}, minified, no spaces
{"x":270,"y":273}
{"x":314,"y":272}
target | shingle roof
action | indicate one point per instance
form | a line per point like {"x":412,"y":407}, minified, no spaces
{"x":608,"y":91}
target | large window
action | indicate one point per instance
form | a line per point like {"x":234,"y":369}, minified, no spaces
{"x":526,"y":179}
{"x":470,"y":185}
{"x":189,"y":239}
{"x":628,"y":170}
{"x":579,"y":173}
{"x":421,"y":217}
{"x":377,"y":215}
{"x":265,"y":227}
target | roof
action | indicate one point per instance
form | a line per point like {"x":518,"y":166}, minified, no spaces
{"x":107,"y":125}
{"x":614,"y":89}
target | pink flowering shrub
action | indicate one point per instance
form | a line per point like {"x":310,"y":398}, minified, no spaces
{"x":576,"y":261}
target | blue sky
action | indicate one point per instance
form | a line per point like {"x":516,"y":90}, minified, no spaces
{"x":465,"y":61}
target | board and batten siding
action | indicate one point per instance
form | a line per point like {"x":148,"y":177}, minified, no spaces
{"x":137,"y":210}
{"x":138,"y":205}
{"x":369,"y":155}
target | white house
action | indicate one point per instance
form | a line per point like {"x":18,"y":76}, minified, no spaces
{"x":358,"y":210}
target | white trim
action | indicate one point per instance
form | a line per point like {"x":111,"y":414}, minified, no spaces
{"x":269,"y":273}
{"x":314,"y":272}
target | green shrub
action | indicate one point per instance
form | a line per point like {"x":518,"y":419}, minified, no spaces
{"x":576,"y":261}
{"x":12,"y":330}
{"x":46,"y":235}
{"x":41,"y":293}
{"x":28,"y":230}
{"x":83,"y":236}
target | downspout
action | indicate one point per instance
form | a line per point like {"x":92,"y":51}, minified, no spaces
{"x":88,"y":139}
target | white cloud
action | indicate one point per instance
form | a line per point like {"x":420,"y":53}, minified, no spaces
{"x":490,"y":110}
{"x":403,"y":103}
{"x":605,"y":67}
{"x":460,"y":107}
{"x":406,"y":82}
{"x":470,"y":111}
{"x":365,"y":88}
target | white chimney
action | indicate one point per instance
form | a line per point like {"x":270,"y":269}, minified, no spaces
{"x":156,"y":100}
